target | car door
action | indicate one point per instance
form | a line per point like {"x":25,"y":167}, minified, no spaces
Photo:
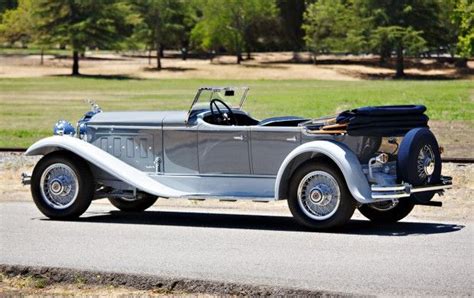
{"x":270,"y":146}
{"x":223,"y":149}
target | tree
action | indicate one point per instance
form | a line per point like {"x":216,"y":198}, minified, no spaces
{"x":328,"y":26}
{"x":402,"y":40}
{"x":7,"y":4}
{"x":18,"y":24}
{"x":80,"y":24}
{"x":235,"y":26}
{"x":381,"y":26}
{"x":402,"y":26}
{"x":162,"y":23}
{"x":291,"y":19}
{"x":464,"y":15}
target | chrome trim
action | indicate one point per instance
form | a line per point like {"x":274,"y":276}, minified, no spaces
{"x":405,"y":190}
{"x":212,"y":175}
{"x":390,"y":196}
{"x":25,"y":179}
{"x":431,"y":188}
{"x":389,"y":188}
{"x":228,"y":198}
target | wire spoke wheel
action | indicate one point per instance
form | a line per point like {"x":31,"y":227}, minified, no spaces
{"x":59,"y":186}
{"x":426,"y":163}
{"x":62,"y":185}
{"x":318,"y":195}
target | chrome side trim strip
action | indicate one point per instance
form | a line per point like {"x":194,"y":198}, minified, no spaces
{"x":380,"y":193}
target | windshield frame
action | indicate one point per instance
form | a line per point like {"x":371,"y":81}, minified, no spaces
{"x":213,"y":90}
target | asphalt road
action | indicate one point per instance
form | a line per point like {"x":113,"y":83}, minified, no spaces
{"x":416,"y":258}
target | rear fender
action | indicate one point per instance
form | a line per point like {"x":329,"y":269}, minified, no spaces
{"x":104,"y":161}
{"x":340,"y":154}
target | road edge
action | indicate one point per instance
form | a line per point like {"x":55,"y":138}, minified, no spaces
{"x":56,"y":275}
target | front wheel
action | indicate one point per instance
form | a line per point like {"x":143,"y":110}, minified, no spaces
{"x":387,"y":211}
{"x":61,"y":186}
{"x":135,"y":205}
{"x":319,"y":197}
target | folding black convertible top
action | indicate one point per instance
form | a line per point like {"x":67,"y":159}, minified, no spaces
{"x":383,"y":121}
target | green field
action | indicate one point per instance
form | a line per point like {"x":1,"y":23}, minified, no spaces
{"x":30,"y":107}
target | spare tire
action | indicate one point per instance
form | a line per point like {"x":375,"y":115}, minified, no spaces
{"x":419,"y":161}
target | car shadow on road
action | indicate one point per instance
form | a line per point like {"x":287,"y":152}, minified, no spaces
{"x":264,"y":222}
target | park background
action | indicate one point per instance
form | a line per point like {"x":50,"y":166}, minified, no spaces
{"x":299,"y":57}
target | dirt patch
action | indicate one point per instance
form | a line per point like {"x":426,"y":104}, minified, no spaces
{"x":455,"y":137}
{"x":262,"y":66}
{"x":26,"y":280}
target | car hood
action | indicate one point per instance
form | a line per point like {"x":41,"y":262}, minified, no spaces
{"x":140,"y":118}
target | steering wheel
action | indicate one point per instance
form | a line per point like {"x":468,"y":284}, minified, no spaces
{"x":221,"y":117}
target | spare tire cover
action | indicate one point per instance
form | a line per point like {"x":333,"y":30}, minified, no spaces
{"x":419,"y":161}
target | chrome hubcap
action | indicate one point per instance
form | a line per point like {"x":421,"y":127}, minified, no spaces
{"x":319,"y":195}
{"x":59,"y":186}
{"x":384,"y":206}
{"x":426,"y":162}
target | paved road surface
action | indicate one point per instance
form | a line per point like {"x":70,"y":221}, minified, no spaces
{"x":418,"y":258}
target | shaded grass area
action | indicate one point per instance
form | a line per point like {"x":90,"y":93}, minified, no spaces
{"x":29,"y":107}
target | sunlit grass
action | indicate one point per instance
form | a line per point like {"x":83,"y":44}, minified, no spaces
{"x":30,"y":106}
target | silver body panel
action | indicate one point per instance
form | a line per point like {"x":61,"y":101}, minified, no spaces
{"x":169,"y":155}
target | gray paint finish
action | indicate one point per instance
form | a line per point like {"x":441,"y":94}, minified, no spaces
{"x":139,"y":118}
{"x":184,"y":155}
{"x":270,"y":146}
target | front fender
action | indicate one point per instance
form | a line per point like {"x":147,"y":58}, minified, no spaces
{"x":104,"y":161}
{"x":339,"y":153}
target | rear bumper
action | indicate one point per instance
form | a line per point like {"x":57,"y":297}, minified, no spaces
{"x":382,"y":193}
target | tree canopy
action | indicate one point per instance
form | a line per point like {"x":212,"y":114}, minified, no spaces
{"x":388,"y":28}
{"x":161,"y":23}
{"x":82,"y":24}
{"x":237,"y":26}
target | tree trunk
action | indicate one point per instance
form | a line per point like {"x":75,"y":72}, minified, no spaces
{"x":149,"y":56}
{"x":461,"y":63}
{"x":400,"y":65}
{"x":249,"y":54}
{"x":239,"y":57}
{"x":75,"y":63}
{"x":162,"y":51}
{"x":184,"y":53}
{"x":314,"y":57}
{"x":385,"y":53}
{"x":42,"y":57}
{"x":158,"y":57}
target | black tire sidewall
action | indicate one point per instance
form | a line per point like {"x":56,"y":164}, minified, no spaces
{"x":346,"y":205}
{"x":85,"y":186}
{"x":403,"y":208}
{"x":407,"y":170}
{"x":134,"y":206}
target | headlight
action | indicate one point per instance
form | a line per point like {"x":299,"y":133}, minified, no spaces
{"x":63,"y":127}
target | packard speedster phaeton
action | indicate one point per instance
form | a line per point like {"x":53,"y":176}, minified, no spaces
{"x":381,"y":160}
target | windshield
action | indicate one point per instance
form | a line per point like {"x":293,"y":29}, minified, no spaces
{"x":234,"y":97}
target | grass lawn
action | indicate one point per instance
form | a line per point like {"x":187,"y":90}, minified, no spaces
{"x":29,"y":107}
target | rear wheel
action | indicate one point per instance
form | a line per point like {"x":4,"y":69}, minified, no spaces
{"x":61,"y":186}
{"x":419,"y":161}
{"x":319,"y":197}
{"x":134,"y":205}
{"x":388,"y":211}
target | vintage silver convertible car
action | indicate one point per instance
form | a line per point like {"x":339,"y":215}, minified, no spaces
{"x":381,"y":160}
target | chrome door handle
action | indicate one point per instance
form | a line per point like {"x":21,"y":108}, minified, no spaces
{"x":239,"y":138}
{"x":292,"y":139}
